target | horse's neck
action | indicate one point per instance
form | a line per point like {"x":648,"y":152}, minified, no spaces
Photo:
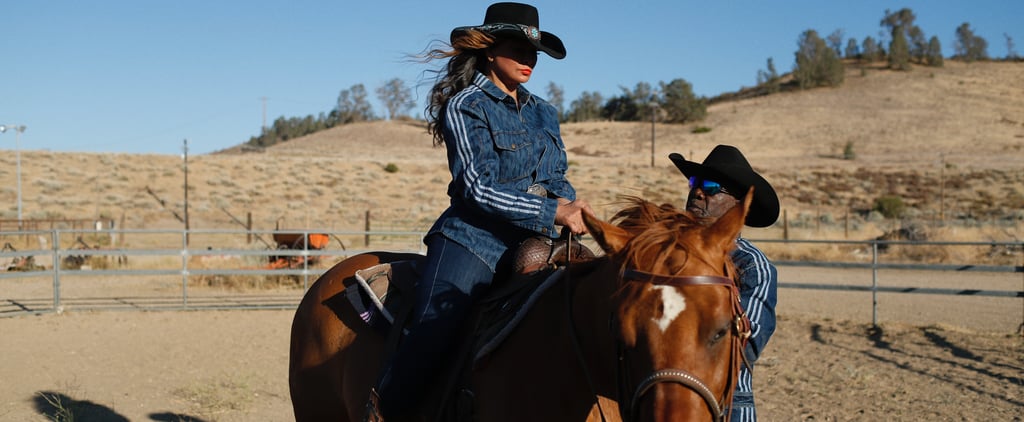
{"x":592,"y":315}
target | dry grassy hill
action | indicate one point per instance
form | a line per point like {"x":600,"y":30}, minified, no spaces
{"x":949,"y":141}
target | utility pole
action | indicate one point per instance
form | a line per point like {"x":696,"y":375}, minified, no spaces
{"x":185,"y":158}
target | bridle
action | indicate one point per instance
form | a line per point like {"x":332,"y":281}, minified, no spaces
{"x":740,"y":334}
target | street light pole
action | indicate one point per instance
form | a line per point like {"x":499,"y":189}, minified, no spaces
{"x":185,"y":158}
{"x":18,"y":129}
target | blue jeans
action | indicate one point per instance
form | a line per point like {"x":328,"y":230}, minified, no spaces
{"x":453,"y":278}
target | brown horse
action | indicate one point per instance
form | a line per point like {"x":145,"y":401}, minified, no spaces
{"x":650,"y":331}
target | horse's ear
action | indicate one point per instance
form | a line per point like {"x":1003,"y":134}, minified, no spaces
{"x":728,"y":227}
{"x":611,"y":238}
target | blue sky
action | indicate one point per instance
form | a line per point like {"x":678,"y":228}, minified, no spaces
{"x":142,"y":76}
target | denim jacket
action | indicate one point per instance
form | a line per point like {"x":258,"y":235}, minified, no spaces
{"x":495,"y":153}
{"x":758,"y":297}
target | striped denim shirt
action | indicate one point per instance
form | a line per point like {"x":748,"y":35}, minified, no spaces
{"x":495,"y":153}
{"x":758,"y":297}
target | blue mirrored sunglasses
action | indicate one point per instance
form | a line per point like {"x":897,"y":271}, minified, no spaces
{"x":709,"y":187}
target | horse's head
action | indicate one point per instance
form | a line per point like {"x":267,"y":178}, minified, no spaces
{"x":677,"y":314}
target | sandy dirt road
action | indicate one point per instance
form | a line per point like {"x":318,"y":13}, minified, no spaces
{"x":932,"y":358}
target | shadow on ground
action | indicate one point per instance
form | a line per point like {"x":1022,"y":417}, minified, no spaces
{"x":60,"y":407}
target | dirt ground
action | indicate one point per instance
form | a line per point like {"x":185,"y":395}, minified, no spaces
{"x":825,"y":362}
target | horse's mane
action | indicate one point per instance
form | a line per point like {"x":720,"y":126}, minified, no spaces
{"x":655,"y":228}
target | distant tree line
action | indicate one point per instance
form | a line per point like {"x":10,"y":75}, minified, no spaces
{"x":819,"y":62}
{"x":353,"y":106}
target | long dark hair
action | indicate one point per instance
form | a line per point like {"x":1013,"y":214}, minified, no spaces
{"x":465,"y":56}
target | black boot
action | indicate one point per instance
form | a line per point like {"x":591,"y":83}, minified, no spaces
{"x":373,"y":408}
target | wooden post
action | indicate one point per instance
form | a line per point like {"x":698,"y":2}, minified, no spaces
{"x":942,"y":193}
{"x":248,"y":227}
{"x":846,"y":224}
{"x":785,"y":224}
{"x":366,"y":238}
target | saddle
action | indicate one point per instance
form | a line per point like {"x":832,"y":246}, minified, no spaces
{"x":384,"y":299}
{"x":377,"y":302}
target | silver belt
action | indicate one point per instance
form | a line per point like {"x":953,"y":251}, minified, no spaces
{"x":537,"y":190}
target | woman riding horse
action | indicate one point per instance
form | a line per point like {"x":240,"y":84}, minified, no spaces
{"x":650,"y":331}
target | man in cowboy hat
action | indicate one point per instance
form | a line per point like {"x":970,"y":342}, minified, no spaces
{"x":717,"y":185}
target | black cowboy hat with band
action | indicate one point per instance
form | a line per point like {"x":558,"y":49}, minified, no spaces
{"x":517,"y":20}
{"x":727,"y":166}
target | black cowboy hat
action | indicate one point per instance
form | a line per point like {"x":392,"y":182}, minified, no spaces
{"x":518,"y":20}
{"x":726,"y":165}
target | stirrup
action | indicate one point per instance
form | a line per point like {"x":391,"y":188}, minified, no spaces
{"x":373,"y":408}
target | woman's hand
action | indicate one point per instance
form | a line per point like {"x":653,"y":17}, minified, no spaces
{"x":570,"y":214}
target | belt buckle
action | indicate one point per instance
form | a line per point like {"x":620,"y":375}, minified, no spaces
{"x":538,"y":190}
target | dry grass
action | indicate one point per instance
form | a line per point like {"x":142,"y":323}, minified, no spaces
{"x":948,"y":141}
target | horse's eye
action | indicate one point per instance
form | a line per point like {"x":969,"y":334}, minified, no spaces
{"x":719,"y":335}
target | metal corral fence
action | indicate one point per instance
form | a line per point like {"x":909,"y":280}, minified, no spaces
{"x":872,"y":251}
{"x":201,"y":269}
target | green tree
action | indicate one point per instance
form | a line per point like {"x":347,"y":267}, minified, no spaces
{"x":396,"y":97}
{"x":903,"y":19}
{"x":899,"y":24}
{"x":1011,"y":51}
{"x":870,"y":52}
{"x":769,"y":78}
{"x":918,"y":44}
{"x":969,"y":47}
{"x":642,"y":96}
{"x":899,"y":54}
{"x":933,"y":54}
{"x":585,"y":108}
{"x":679,"y":104}
{"x":556,"y":97}
{"x":353,"y":106}
{"x":835,"y":41}
{"x":620,"y":108}
{"x":852,"y":49}
{"x":816,"y":63}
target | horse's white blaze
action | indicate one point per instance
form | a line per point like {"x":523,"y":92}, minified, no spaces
{"x":673,"y":303}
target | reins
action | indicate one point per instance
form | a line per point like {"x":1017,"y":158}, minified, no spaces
{"x":572,"y":329}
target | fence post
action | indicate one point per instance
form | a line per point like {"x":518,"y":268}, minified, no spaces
{"x":846,"y":224}
{"x":874,"y":284}
{"x":184,"y":269}
{"x":305,"y":259}
{"x":55,"y":238}
{"x":366,"y":237}
{"x":785,"y":224}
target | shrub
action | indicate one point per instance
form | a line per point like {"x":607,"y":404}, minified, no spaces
{"x":848,"y":153}
{"x":890,"y":206}
{"x":391,"y":168}
{"x":701,"y":129}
